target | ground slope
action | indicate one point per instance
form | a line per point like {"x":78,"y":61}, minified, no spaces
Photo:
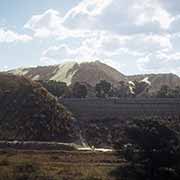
{"x":156,"y":81}
{"x":92,"y":72}
{"x":29,"y":112}
{"x":71,"y":72}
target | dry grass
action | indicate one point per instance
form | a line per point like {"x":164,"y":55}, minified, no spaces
{"x":39,"y":165}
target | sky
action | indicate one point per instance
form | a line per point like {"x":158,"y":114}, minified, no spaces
{"x":134,"y":36}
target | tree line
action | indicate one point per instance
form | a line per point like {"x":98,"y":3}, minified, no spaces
{"x":105,"y":89}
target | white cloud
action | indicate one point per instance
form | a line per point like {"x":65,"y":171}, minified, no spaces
{"x":120,"y":16}
{"x":110,"y":30}
{"x":109,"y":47}
{"x":8,"y":36}
{"x":150,"y":11}
{"x":64,"y":53}
{"x":160,"y":62}
{"x":89,"y":7}
{"x":46,"y":24}
{"x":102,"y":46}
{"x":162,"y":40}
{"x":141,"y":43}
{"x":50,"y":24}
{"x":89,"y":16}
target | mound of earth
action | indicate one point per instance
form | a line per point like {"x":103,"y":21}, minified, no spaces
{"x":156,"y":81}
{"x":93,"y":72}
{"x":71,"y":72}
{"x":29,"y":113}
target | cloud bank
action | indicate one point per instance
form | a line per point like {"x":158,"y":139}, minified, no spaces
{"x":133,"y":35}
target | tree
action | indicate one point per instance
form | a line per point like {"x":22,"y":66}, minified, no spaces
{"x":79,"y":90}
{"x":152,"y":150}
{"x":167,"y":92}
{"x":103,"y":88}
{"x":176,"y":92}
{"x":68,"y":93}
{"x":122,"y":90}
{"x":56,"y":88}
{"x":164,"y":92}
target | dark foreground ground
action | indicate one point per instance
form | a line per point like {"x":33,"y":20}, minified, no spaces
{"x":57,"y":165}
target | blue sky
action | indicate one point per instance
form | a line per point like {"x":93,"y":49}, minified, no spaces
{"x":134,"y":36}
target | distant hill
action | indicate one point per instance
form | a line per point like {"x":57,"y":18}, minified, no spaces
{"x":156,"y":81}
{"x":71,"y":72}
{"x":92,"y":72}
{"x":29,"y":112}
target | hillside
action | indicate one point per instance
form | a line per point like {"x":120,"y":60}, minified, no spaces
{"x":92,"y":72}
{"x":71,"y":72}
{"x":29,"y":112}
{"x":156,"y":81}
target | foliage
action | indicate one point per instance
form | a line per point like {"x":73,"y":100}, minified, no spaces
{"x":56,"y":88}
{"x":29,"y":112}
{"x":121,"y":91}
{"x":103,"y":88}
{"x":167,"y":92}
{"x":79,"y":90}
{"x":152,"y":150}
